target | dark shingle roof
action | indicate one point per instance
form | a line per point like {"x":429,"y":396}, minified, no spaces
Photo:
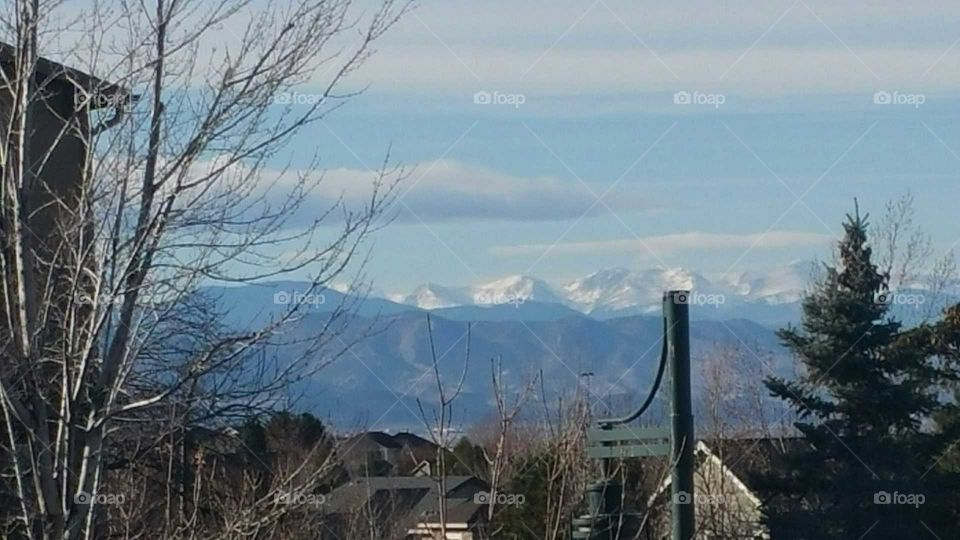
{"x":54,"y":71}
{"x":413,"y":441}
{"x":416,"y":495}
{"x":370,"y":440}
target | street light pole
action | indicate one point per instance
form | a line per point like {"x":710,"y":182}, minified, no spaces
{"x":609,"y":440}
{"x":676,"y":308}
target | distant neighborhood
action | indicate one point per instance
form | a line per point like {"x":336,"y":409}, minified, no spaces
{"x":420,"y":270}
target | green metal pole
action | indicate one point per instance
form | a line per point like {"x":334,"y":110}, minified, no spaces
{"x":676,"y":308}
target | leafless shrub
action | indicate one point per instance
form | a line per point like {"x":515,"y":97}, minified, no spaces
{"x":120,"y":201}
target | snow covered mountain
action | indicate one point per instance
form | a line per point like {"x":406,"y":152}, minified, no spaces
{"x":433,"y":296}
{"x":779,"y":286}
{"x":620,"y":292}
{"x":509,"y":290}
{"x":515,"y":289}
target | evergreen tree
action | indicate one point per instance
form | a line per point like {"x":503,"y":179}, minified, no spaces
{"x":943,"y":341}
{"x":527,"y":522}
{"x":303,"y":430}
{"x":468,"y":459}
{"x":863,"y":406}
{"x":254,"y":437}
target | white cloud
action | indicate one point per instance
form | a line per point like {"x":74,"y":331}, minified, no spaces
{"x":674,"y":243}
{"x":531,"y":21}
{"x":771,"y":49}
{"x":562,"y":48}
{"x":434,"y":191}
{"x":763,"y":72}
{"x":448,"y":190}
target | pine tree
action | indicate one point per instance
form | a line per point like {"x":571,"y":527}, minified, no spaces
{"x":942,"y":338}
{"x":863,"y":407}
{"x":468,"y":459}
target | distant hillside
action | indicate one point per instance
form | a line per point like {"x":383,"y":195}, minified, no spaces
{"x":379,"y":380}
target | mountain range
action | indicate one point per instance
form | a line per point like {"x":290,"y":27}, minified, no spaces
{"x":603,"y":328}
{"x":770,"y":298}
{"x":384,"y":362}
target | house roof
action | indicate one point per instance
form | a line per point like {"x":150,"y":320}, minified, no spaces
{"x":458,"y":511}
{"x":417,"y":495}
{"x":746,"y":459}
{"x":49,"y":70}
{"x":413,"y":441}
{"x":370,"y":440}
{"x":419,"y":447}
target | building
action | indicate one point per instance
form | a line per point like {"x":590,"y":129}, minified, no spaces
{"x":728,"y":501}
{"x":375,"y":453}
{"x":407,"y":508}
{"x":55,"y":213}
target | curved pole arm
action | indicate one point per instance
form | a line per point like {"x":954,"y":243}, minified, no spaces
{"x":607,"y":423}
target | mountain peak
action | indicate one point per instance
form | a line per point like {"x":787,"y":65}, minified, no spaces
{"x":515,"y":289}
{"x":619,"y":290}
{"x":510,"y":281}
{"x":433,"y":296}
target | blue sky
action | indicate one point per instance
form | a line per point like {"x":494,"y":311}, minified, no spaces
{"x":587,"y":94}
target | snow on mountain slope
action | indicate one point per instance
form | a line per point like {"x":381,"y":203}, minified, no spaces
{"x":779,"y":286}
{"x":509,"y":290}
{"x":515,"y":289}
{"x":621,"y":291}
{"x":433,"y":296}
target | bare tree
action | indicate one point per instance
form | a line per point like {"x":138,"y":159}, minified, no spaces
{"x":439,"y":424}
{"x":736,"y":422}
{"x":734,"y":401}
{"x":507,"y":412}
{"x":120,"y":201}
{"x":906,"y":254}
{"x":567,"y":465}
